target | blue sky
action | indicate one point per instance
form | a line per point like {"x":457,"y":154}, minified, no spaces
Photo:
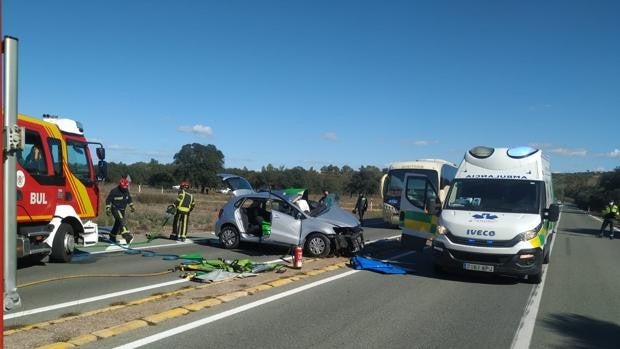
{"x":313,"y":83}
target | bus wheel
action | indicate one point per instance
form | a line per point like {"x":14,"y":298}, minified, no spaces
{"x":64,"y":243}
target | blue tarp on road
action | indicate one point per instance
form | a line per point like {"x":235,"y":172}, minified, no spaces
{"x":361,"y":263}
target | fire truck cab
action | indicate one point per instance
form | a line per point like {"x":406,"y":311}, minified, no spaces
{"x":57,"y":189}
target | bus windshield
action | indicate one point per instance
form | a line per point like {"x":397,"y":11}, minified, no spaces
{"x":394,"y":183}
{"x":495,"y":195}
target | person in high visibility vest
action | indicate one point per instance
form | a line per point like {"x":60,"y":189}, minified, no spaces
{"x":610,"y":213}
{"x":115,"y":204}
{"x":184,"y":205}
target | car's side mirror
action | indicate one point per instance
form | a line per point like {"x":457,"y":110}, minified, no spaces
{"x":102,"y":170}
{"x":553,"y":213}
{"x":100,"y":153}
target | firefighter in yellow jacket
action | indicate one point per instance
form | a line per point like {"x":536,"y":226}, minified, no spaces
{"x":184,"y":205}
{"x":610,"y":213}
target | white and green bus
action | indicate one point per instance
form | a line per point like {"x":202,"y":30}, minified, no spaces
{"x":439,"y":172}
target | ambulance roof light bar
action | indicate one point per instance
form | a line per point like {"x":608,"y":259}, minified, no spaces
{"x":521,"y":152}
{"x":481,"y":152}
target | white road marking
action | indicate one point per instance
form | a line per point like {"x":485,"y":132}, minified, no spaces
{"x":225,"y":314}
{"x":240,"y":309}
{"x":91,"y":299}
{"x":524,"y":333}
{"x":117,"y":248}
{"x":102,"y":297}
{"x":130,"y":291}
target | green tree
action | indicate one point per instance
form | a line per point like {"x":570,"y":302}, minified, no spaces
{"x":198,"y":164}
{"x":116,"y":171}
{"x":366,"y":180}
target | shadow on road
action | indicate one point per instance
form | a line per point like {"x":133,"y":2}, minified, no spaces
{"x":584,"y":332}
{"x":420,"y":263}
{"x":377,"y":223}
{"x":583,"y":231}
{"x":248,"y":248}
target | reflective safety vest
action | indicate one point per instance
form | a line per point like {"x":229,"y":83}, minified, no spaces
{"x":610,"y":211}
{"x":185,"y":202}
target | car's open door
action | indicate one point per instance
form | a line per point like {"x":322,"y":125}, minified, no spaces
{"x":285,"y":222}
{"x":237,"y":184}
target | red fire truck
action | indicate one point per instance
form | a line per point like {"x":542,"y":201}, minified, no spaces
{"x":57,"y":189}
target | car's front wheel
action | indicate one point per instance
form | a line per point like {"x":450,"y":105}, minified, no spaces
{"x":229,"y":237}
{"x":317,"y":245}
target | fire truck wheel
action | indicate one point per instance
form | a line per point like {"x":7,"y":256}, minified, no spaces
{"x":317,"y":245}
{"x":64,"y":242}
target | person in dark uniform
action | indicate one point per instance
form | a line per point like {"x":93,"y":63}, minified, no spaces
{"x":35,"y":162}
{"x":115,"y":204}
{"x":184,"y":205}
{"x":361,"y":206}
{"x":323,"y":198}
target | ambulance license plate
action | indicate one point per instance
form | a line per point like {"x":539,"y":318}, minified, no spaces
{"x":478,"y":267}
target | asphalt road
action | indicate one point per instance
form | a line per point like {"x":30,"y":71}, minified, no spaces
{"x":576,"y":306}
{"x":580,"y":306}
{"x":58,"y":287}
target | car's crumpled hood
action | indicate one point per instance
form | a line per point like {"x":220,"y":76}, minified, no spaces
{"x":337,"y":216}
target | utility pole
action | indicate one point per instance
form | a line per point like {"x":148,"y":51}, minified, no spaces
{"x":13,"y":142}
{"x":1,"y":189}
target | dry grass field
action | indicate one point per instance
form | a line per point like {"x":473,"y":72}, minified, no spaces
{"x":151,"y":203}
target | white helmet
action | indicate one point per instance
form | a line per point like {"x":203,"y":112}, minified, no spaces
{"x":611,"y":202}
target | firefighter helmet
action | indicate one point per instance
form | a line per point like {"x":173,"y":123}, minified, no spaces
{"x":184,"y":185}
{"x":123,"y":183}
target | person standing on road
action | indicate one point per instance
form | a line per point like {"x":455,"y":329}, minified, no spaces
{"x":184,"y":205}
{"x":115,"y":204}
{"x":610,"y":213}
{"x":361,"y":206}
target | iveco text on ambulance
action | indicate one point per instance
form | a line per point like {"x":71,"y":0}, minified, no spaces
{"x":499,"y":216}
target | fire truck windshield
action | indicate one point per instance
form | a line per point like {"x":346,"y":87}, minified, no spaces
{"x":78,"y":160}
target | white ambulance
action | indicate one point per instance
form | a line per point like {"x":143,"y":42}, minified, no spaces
{"x":500,"y":215}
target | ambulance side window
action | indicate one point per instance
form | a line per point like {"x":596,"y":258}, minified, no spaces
{"x":55,"y":153}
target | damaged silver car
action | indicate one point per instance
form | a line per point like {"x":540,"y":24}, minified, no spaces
{"x":288,"y":218}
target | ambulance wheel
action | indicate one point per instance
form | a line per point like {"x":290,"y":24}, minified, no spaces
{"x":63,"y":245}
{"x":534,"y":278}
{"x":229,"y":237}
{"x":318,"y":245}
{"x":439,"y":269}
{"x":548,"y":252}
